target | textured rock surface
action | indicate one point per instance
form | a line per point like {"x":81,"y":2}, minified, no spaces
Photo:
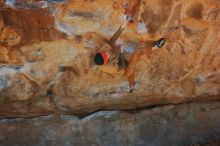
{"x":46,"y":50}
{"x":191,"y":124}
{"x":40,"y":37}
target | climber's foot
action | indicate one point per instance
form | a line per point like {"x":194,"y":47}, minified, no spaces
{"x":131,"y":89}
{"x":160,"y":42}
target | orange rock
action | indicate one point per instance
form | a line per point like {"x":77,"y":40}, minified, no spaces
{"x":31,"y":25}
{"x":4,"y":55}
{"x":10,"y":37}
{"x":61,"y":68}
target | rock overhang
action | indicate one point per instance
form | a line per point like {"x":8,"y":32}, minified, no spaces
{"x":36,"y":42}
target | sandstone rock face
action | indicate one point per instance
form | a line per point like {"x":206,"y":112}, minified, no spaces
{"x":46,"y":51}
{"x":32,"y":26}
{"x":194,"y":124}
{"x":46,"y":68}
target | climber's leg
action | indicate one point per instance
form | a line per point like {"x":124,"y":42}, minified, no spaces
{"x":131,"y":82}
{"x":134,"y":59}
{"x":115,"y":36}
{"x":119,"y":31}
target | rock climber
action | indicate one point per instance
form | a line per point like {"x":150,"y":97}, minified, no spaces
{"x":111,"y":59}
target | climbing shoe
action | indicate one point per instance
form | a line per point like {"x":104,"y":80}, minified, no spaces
{"x":131,"y":89}
{"x":160,"y":42}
